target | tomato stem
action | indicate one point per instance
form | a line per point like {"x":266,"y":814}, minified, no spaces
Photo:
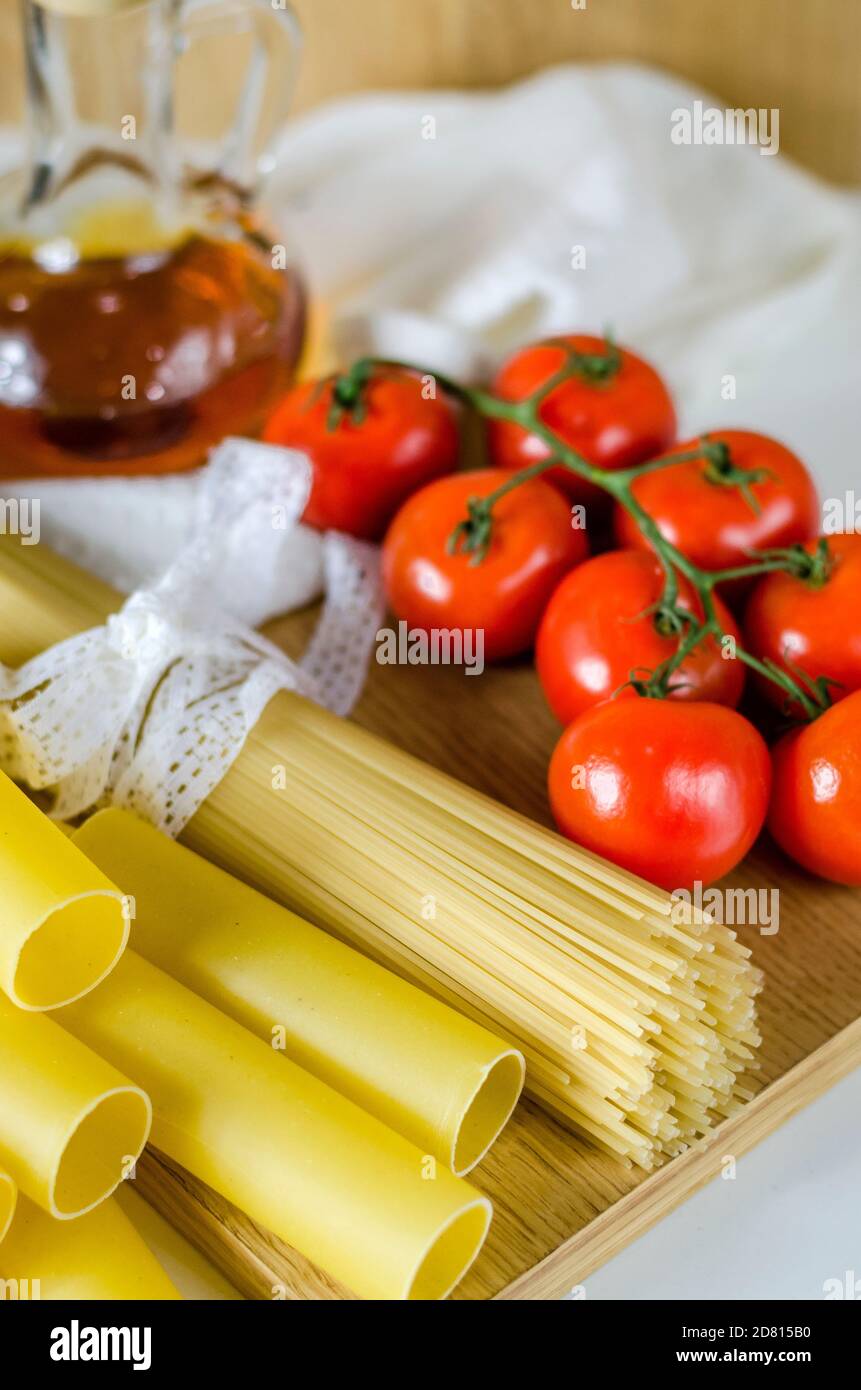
{"x":349,"y":394}
{"x":722,"y":472}
{"x":472,"y":536}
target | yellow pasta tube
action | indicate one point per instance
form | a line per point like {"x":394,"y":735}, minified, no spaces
{"x":71,"y":1127}
{"x":8,"y":1199}
{"x":436,"y":1077}
{"x":331,"y":1180}
{"x":63,"y":924}
{"x":100,"y":1256}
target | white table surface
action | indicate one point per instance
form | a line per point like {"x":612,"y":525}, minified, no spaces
{"x":787,"y":1223}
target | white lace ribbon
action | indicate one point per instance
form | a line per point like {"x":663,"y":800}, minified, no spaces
{"x":149,"y":711}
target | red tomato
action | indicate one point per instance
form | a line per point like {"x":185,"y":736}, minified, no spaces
{"x":713,"y":523}
{"x":596,"y":630}
{"x":676,"y":793}
{"x":613,"y":423}
{"x":815,"y":813}
{"x":815,"y":626}
{"x":532,"y":545}
{"x":368,"y":464}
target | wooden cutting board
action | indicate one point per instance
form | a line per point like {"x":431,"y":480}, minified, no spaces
{"x":561,"y":1207}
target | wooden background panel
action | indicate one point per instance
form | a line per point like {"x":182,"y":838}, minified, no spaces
{"x":799,"y":56}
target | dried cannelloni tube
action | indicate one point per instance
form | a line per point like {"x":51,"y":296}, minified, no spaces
{"x":63,"y":924}
{"x":436,"y":1077}
{"x":326,"y":1177}
{"x":99,"y":1256}
{"x":71,"y":1126}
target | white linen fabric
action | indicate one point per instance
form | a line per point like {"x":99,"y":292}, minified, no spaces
{"x":446,"y":228}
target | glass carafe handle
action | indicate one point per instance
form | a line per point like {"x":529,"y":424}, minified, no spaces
{"x":247,"y":152}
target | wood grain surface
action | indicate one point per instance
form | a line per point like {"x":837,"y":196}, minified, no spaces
{"x":799,"y":56}
{"x":561,"y":1207}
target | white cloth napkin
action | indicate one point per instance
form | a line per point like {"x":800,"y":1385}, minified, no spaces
{"x":712,"y":261}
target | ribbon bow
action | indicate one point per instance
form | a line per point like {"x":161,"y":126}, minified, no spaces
{"x":150,"y":710}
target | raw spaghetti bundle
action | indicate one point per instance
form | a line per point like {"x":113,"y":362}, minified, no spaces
{"x":636,"y":1026}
